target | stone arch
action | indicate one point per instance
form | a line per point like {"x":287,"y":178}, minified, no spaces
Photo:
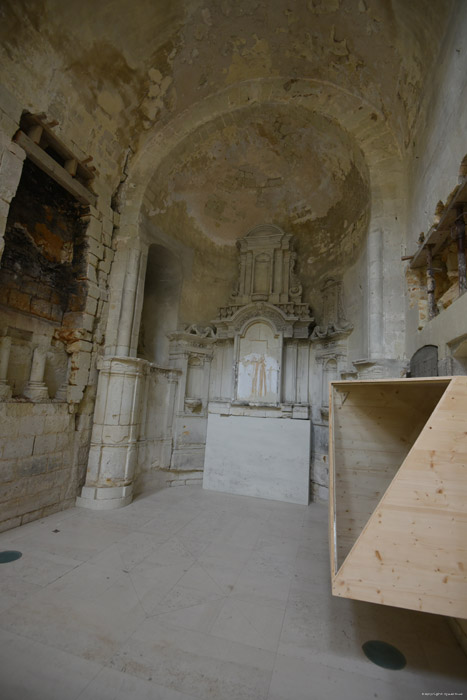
{"x":363,"y":121}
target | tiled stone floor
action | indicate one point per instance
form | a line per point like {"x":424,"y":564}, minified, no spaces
{"x":188,"y":594}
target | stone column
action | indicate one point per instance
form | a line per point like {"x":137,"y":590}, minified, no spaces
{"x":113,"y":453}
{"x":5,"y":347}
{"x":36,"y":389}
{"x":132,"y":281}
{"x":375,"y":295}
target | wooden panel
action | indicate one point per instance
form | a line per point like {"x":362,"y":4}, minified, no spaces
{"x":374,"y":427}
{"x":412,"y":552}
{"x":54,"y":170}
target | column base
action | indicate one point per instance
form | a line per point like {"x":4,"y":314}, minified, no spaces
{"x":105,"y":498}
{"x":36,"y":391}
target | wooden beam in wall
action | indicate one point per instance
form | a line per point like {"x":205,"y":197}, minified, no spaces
{"x":54,"y":170}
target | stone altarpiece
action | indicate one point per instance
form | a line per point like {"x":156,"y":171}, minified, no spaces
{"x":244,"y":399}
{"x":265,"y":333}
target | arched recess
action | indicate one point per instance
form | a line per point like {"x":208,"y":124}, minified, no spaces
{"x":159,"y":314}
{"x":366,"y":125}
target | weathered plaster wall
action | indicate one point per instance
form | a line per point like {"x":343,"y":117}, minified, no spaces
{"x":435,"y":156}
{"x":111,"y":73}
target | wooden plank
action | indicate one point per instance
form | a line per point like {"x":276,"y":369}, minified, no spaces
{"x":412,"y":553}
{"x":48,"y":138}
{"x":374,"y":429}
{"x":403,"y":382}
{"x":54,"y":170}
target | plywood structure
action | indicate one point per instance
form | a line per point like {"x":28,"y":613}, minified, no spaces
{"x":398,"y":492}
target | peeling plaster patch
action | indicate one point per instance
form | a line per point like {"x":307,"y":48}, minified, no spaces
{"x":206,"y":15}
{"x":323,"y":7}
{"x":110,"y":102}
{"x":339,"y":48}
{"x":246,"y":63}
{"x":157,"y":92}
{"x":264,"y":162}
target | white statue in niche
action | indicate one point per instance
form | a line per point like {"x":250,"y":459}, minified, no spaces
{"x":258,"y":364}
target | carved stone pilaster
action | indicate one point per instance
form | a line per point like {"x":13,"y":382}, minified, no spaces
{"x":113,"y":453}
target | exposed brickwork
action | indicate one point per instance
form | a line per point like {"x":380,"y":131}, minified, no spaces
{"x":44,"y":249}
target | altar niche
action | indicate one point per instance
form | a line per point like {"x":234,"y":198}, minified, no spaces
{"x":259,"y":363}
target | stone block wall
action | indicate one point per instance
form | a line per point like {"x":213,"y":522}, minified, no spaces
{"x":37,"y":478}
{"x":45,"y":433}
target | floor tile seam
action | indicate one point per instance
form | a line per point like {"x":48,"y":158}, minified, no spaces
{"x":229,"y":586}
{"x":245,"y":644}
{"x":278,"y":641}
{"x":49,"y":583}
{"x":44,"y":554}
{"x":254,"y":628}
{"x":182,"y":690}
{"x":61,"y":596}
{"x":187,"y":550}
{"x":283,"y":620}
{"x":148,"y":613}
{"x":394,"y":683}
{"x":209,"y":575}
{"x":159,"y":544}
{"x":196,"y":556}
{"x":128,"y":636}
{"x":187,"y":607}
{"x":157,"y":686}
{"x":375,"y":673}
{"x":177,"y":688}
{"x":217,"y":638}
{"x":53,"y":648}
{"x":88,"y":684}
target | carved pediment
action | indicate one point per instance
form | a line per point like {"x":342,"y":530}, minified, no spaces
{"x":267,"y":286}
{"x":266,"y":267}
{"x":292,"y":320}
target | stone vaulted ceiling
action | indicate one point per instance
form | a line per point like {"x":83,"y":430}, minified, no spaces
{"x":121,"y":68}
{"x":215,"y":102}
